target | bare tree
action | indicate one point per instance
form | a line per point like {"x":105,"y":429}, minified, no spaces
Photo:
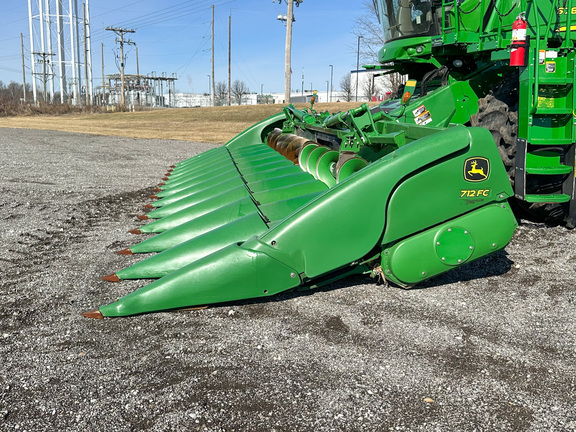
{"x":12,"y":93}
{"x":239,"y":89}
{"x":370,"y":88}
{"x":369,"y":29}
{"x":265,"y":99}
{"x":221,"y":93}
{"x":395,"y":84}
{"x":346,"y":87}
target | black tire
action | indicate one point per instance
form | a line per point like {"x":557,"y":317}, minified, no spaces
{"x":498,"y":112}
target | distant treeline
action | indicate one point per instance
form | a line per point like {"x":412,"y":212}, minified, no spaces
{"x":12,"y":102}
{"x":13,"y":93}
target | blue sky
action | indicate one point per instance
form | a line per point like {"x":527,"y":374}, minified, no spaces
{"x":173,"y":36}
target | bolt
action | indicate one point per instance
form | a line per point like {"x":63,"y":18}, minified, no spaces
{"x":443,"y":259}
{"x":503,"y":206}
{"x":500,"y":196}
{"x":438,"y":243}
{"x":273,"y":243}
{"x":471,"y":247}
{"x":388,"y":271}
{"x":466,"y":232}
{"x":493,"y":244}
{"x":459,"y":260}
{"x":423,"y":273}
{"x":292,"y":275}
{"x":449,"y":229}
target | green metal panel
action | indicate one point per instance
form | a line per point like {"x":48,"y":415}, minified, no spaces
{"x":204,"y":171}
{"x":207,"y":155}
{"x":200,"y":195}
{"x":196,"y":178}
{"x":194,"y":228}
{"x":195,"y":248}
{"x":269,"y":156}
{"x":449,"y":245}
{"x":286,"y":192}
{"x":453,"y":103}
{"x":271,"y":173}
{"x":238,"y":208}
{"x":280,"y":163}
{"x":209,"y":203}
{"x":232,"y":273}
{"x":280,"y":181}
{"x":447,"y":189}
{"x":278,"y":210}
{"x":218,"y":178}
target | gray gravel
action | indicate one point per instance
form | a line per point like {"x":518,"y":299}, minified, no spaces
{"x":488,"y":347}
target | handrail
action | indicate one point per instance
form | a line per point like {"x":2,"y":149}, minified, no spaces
{"x":536,"y":87}
{"x":568,"y":37}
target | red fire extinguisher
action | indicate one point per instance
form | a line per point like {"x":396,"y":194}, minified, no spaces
{"x":518,"y":51}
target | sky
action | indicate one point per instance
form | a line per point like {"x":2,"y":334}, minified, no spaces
{"x":173,"y":36}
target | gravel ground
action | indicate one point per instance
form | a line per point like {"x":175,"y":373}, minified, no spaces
{"x":488,"y":347}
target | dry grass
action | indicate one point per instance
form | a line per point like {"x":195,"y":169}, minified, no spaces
{"x":214,"y":125}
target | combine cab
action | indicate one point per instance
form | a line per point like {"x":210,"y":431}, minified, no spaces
{"x":405,"y":190}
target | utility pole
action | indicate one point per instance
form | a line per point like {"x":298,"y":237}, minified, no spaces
{"x":103,"y":77}
{"x":358,"y":66}
{"x":44,"y":60}
{"x":86,"y":80}
{"x":23,"y":66}
{"x":212,"y":85}
{"x":137,"y":64}
{"x":89,"y":82}
{"x":288,"y":53}
{"x":229,"y":59}
{"x":138,"y":76}
{"x":120,"y":32}
{"x":331,"y":76}
{"x":289,"y":19}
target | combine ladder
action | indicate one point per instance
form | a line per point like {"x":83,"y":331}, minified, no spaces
{"x":547,"y":119}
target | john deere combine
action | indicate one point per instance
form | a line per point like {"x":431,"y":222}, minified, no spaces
{"x":405,"y":190}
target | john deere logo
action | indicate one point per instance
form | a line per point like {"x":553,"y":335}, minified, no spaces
{"x":476,"y":169}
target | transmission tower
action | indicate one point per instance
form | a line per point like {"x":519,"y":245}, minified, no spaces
{"x":55,"y":33}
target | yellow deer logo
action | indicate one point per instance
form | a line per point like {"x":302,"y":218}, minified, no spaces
{"x":476,"y":169}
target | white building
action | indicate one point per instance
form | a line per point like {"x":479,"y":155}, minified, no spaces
{"x":364,"y":78}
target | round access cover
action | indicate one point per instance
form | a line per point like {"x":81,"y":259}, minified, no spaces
{"x":454,"y":245}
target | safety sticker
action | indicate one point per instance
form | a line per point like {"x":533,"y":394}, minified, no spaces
{"x":550,"y":67}
{"x":421,"y":115}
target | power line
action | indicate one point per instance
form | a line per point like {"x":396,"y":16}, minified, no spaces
{"x":152,"y":18}
{"x":168,"y":16}
{"x":170,"y":10}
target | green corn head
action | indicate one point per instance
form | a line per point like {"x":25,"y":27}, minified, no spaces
{"x":282,"y":207}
